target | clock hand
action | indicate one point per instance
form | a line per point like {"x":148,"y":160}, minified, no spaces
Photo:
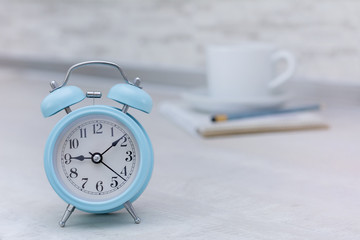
{"x":113,"y":170}
{"x":81,"y":157}
{"x":98,"y":159}
{"x":113,"y":144}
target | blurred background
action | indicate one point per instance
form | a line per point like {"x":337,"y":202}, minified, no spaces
{"x":324,"y":35}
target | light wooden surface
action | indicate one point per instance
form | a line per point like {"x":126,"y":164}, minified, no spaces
{"x":293,"y":185}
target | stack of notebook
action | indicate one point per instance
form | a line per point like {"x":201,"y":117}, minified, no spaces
{"x":246,"y":122}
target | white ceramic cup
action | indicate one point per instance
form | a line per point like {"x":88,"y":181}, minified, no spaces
{"x":246,"y":70}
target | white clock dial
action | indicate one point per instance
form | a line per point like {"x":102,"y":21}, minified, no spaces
{"x":96,"y":158}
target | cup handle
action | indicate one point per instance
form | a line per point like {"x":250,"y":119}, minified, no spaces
{"x":288,"y":73}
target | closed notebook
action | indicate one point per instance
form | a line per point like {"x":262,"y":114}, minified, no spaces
{"x":198,"y":123}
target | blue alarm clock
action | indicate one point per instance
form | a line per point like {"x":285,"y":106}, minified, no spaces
{"x":98,"y":158}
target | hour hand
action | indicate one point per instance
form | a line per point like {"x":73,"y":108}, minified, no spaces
{"x":80,"y":158}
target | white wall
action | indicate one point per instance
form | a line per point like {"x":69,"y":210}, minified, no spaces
{"x":324,"y":34}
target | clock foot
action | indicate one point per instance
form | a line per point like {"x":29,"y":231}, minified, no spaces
{"x":69,"y":210}
{"x":129,"y":207}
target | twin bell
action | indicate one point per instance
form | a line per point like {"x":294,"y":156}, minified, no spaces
{"x":62,"y":97}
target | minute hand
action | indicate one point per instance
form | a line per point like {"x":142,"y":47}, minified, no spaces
{"x":113,"y":144}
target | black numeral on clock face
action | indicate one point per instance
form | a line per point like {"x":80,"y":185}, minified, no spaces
{"x":73,"y":173}
{"x":67,"y":158}
{"x":85,"y":181}
{"x":124,"y":144}
{"x":124,"y":171}
{"x":97,"y":128}
{"x":99,"y":186}
{"x":130,"y":157}
{"x":114,"y":183}
{"x":82,"y":132}
{"x":74,"y":143}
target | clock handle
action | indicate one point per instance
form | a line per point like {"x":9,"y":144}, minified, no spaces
{"x":89,"y":63}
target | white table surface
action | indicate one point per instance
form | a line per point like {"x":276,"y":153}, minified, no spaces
{"x":294,"y":185}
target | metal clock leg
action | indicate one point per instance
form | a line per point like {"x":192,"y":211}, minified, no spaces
{"x":69,"y":210}
{"x":129,"y":207}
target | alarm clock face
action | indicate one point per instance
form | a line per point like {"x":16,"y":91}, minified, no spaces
{"x":96,"y":158}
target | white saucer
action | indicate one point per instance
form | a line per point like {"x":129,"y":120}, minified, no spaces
{"x":201,"y":101}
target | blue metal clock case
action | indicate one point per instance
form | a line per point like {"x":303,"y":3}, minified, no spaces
{"x":140,"y":181}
